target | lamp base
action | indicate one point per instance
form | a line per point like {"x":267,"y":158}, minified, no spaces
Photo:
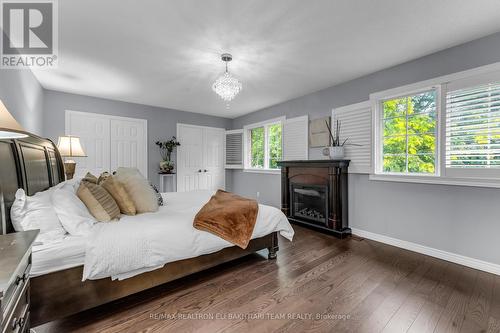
{"x":69,"y":169}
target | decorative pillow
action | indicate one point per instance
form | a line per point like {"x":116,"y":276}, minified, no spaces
{"x":98,"y":201}
{"x":118,"y":192}
{"x":158,"y":195}
{"x":90,"y":178}
{"x":72,"y":213}
{"x":36,"y":212}
{"x":105,"y":175}
{"x":138,"y":188}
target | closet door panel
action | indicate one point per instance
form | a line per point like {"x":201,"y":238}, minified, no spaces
{"x":213,"y":157}
{"x":189,"y":158}
{"x":127,"y":140}
{"x":95,"y":138}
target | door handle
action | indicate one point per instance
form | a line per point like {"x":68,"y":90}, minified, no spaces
{"x":199,"y":170}
{"x":205,"y":170}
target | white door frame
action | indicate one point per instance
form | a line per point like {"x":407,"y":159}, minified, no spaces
{"x":144,"y":122}
{"x":223,"y":130}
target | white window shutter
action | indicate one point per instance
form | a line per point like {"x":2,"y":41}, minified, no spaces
{"x":296,"y":139}
{"x":234,"y":149}
{"x":473,"y":127}
{"x":356,"y":126}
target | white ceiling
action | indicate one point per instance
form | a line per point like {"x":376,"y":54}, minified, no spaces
{"x":167,"y":53}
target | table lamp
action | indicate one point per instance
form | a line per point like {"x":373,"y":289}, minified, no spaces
{"x":69,"y":146}
{"x":9,"y":129}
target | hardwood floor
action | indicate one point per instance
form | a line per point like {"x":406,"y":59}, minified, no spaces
{"x":317,"y":284}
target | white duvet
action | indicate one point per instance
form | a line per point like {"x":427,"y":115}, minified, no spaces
{"x":144,"y":242}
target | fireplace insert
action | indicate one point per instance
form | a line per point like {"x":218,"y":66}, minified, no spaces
{"x":309,"y":203}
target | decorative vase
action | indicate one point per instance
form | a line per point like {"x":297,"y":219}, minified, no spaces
{"x":166,"y":166}
{"x":336,"y":152}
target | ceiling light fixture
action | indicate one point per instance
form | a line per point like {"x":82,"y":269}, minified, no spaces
{"x":227,"y":86}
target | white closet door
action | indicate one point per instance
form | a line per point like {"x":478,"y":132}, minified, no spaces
{"x":189,"y":157}
{"x":127,"y":142}
{"x":200,"y":158}
{"x":93,"y":131}
{"x":109,"y":142}
{"x":214,"y":175}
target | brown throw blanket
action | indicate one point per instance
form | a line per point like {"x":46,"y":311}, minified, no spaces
{"x":228,"y":216}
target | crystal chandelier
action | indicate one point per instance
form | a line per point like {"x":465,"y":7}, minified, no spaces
{"x":227,"y":86}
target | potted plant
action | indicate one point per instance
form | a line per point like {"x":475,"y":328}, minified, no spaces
{"x":166,"y":148}
{"x":336,"y":149}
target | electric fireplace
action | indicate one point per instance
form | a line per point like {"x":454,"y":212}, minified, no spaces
{"x":315,"y":193}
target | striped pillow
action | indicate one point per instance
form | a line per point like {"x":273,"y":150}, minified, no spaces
{"x":98,"y":201}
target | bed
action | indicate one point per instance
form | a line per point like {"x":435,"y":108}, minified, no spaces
{"x":57,"y":289}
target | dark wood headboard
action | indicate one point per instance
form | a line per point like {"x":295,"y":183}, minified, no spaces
{"x":31,"y":163}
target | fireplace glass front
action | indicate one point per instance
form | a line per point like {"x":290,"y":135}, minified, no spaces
{"x":310,"y":203}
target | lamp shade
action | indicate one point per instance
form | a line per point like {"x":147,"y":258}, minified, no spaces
{"x":69,"y":146}
{"x":9,"y":127}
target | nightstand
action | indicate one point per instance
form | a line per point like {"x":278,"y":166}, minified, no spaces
{"x":15,"y":264}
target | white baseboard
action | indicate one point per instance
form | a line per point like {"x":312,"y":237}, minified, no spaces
{"x":448,"y":256}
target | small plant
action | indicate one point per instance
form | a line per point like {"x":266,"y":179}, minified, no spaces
{"x":167,"y":147}
{"x":335,"y":136}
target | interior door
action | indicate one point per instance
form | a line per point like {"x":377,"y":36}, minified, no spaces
{"x":189,"y":158}
{"x":94,"y":134}
{"x":127,"y":142}
{"x":214,"y":175}
{"x":109,"y":142}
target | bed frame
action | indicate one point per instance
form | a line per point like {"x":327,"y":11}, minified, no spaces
{"x":34,"y":163}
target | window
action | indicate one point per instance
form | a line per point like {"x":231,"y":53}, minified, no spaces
{"x":473,"y":127}
{"x":257,"y":144}
{"x":447,"y":128}
{"x":409,"y":133}
{"x":263,"y":145}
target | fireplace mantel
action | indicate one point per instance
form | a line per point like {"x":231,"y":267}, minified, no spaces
{"x":331,"y":174}
{"x":315,"y":163}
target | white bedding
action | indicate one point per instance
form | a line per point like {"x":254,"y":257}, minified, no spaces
{"x":148,"y":241}
{"x":56,"y":256}
{"x":145,"y":242}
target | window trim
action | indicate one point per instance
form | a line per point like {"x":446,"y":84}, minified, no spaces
{"x":247,"y":143}
{"x":446,"y":176}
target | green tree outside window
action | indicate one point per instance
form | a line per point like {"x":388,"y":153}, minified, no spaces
{"x":409,"y":127}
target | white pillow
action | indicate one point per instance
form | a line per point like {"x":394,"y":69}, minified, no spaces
{"x":72,"y":213}
{"x":36,"y":212}
{"x":70,"y":184}
{"x":139,"y":189}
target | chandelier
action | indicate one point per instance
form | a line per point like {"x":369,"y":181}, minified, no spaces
{"x":227,"y":86}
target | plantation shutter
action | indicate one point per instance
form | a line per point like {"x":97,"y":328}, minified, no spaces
{"x":234,"y":149}
{"x":473,"y":127}
{"x":356,"y":127}
{"x":296,"y":139}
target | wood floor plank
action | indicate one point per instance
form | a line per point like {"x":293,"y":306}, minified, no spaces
{"x":404,"y":317}
{"x":317,"y":284}
{"x":452,"y":318}
{"x":478,"y":310}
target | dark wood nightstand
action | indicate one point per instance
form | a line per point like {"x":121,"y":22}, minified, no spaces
{"x":15,"y":264}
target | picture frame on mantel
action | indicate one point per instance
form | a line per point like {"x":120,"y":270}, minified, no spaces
{"x":318,"y":132}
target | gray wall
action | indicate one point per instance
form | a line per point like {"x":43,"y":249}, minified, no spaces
{"x":23,"y":96}
{"x":161,"y":122}
{"x":462,"y":220}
